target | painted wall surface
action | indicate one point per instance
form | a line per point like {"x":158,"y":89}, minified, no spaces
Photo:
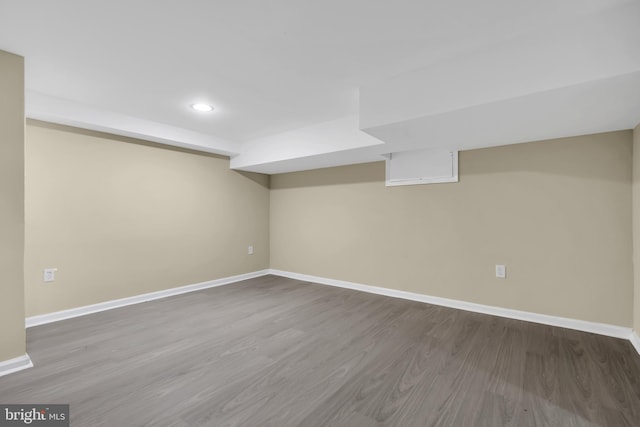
{"x":557,"y":213}
{"x":636,"y":228}
{"x":119,"y":217}
{"x":12,"y":333}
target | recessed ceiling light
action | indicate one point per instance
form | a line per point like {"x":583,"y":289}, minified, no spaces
{"x":202,"y":107}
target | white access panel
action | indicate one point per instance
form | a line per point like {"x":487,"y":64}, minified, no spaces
{"x":422,"y":167}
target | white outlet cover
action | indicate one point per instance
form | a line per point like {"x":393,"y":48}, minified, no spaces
{"x":250,"y":250}
{"x":49,"y":274}
{"x":501,"y":271}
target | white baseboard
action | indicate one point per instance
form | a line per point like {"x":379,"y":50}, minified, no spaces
{"x":24,"y":362}
{"x":16,"y":364}
{"x":563,"y":322}
{"x":635,"y":341}
{"x":108,"y":305}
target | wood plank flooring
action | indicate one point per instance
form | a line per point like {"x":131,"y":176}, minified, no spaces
{"x":278,"y":352}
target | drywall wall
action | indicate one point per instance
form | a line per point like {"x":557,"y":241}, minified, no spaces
{"x":119,"y":217}
{"x":12,"y":334}
{"x":636,"y":228}
{"x":557,"y":213}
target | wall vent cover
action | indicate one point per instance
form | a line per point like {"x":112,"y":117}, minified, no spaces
{"x":422,"y":167}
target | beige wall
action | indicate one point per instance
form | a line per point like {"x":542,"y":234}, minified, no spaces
{"x":636,"y":228}
{"x":557,"y":213}
{"x":12,"y":334}
{"x":120,"y":218}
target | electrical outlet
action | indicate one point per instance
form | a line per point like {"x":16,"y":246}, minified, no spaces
{"x":250,"y":250}
{"x":501,"y":271}
{"x":49,"y":274}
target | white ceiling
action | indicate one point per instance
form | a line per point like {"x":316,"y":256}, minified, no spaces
{"x":302,"y":84}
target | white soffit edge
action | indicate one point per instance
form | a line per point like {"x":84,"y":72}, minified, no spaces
{"x":592,"y":49}
{"x":273,"y":153}
{"x":601,"y":106}
{"x":65,"y":112}
{"x":318,"y":161}
{"x":598,"y":106}
{"x":572,"y":78}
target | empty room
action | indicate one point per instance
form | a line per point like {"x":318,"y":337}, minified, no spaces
{"x":287,"y":213}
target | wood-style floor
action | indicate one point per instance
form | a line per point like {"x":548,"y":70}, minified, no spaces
{"x":278,"y":352}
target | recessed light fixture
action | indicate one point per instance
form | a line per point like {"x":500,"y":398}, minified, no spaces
{"x":204,"y":108}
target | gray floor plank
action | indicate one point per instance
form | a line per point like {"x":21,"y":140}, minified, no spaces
{"x":280,"y":352}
